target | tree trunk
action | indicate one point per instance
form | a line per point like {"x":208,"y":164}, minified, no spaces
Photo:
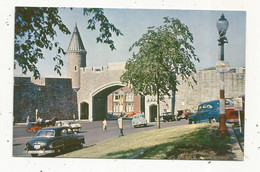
{"x":173,"y":102}
{"x":158,"y":109}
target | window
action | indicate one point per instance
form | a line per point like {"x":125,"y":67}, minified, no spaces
{"x":44,"y":133}
{"x":116,"y":107}
{"x":116,"y":97}
{"x":129,"y":97}
{"x":64,"y":132}
{"x":209,"y":107}
{"x":75,"y":68}
{"x":129,"y":107}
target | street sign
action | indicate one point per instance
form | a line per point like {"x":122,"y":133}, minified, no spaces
{"x":222,"y":66}
{"x":238,"y":106}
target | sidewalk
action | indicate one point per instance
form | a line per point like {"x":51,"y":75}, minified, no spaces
{"x":237,"y":140}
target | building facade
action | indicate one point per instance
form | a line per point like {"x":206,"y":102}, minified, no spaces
{"x":123,"y":101}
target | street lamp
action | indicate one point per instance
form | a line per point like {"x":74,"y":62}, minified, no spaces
{"x":222,"y":67}
{"x":121,"y":100}
{"x":37,"y":95}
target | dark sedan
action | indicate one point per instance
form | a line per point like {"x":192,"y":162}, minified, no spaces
{"x":53,"y":140}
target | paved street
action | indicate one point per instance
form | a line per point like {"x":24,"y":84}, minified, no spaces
{"x":91,"y":130}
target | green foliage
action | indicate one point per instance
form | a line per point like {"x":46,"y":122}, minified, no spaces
{"x":35,"y":29}
{"x":210,"y":68}
{"x":163,"y":54}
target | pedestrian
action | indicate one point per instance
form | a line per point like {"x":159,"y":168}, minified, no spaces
{"x":104,"y":125}
{"x":39,"y":120}
{"x":27,"y":120}
{"x":120,"y":124}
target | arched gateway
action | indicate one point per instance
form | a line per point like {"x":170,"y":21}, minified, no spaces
{"x":93,"y":84}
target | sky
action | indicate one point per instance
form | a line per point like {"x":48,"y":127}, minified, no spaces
{"x":134,"y":22}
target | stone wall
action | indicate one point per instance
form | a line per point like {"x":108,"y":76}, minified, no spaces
{"x":55,"y":96}
{"x":51,"y":96}
{"x":208,"y":88}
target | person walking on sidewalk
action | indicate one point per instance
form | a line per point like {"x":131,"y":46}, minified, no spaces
{"x":104,"y":125}
{"x":120,"y":124}
{"x":27,"y":119}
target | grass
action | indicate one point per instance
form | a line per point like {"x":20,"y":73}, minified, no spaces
{"x":180,"y":142}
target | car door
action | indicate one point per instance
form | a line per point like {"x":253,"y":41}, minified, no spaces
{"x":66,"y":137}
{"x":202,"y":112}
{"x":199,"y":113}
{"x":206,"y":112}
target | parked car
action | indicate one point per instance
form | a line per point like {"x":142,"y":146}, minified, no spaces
{"x":131,"y":114}
{"x":167,"y":116}
{"x":209,"y":111}
{"x":184,"y":114}
{"x":74,"y":126}
{"x":53,"y":140}
{"x":139,"y":120}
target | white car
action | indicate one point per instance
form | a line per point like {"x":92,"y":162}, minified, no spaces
{"x":75,"y":127}
{"x":139,"y":120}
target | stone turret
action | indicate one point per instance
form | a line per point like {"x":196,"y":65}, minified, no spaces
{"x":76,"y":58}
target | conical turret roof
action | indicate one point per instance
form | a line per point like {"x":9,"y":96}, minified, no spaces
{"x":76,"y":44}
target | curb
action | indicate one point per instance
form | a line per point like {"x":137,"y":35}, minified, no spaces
{"x":25,"y":124}
{"x":236,"y":149}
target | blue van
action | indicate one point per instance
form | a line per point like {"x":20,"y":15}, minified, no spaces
{"x":207,"y":112}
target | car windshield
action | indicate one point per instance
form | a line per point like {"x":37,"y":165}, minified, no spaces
{"x":45,"y":133}
{"x":139,"y":116}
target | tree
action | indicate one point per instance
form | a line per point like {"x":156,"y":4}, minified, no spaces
{"x":164,"y":53}
{"x":35,"y":29}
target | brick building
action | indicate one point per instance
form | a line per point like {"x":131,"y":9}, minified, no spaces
{"x":123,"y":100}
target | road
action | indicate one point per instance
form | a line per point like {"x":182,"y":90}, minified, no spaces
{"x":91,"y":130}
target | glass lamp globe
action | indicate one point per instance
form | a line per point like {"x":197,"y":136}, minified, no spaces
{"x":222,"y":24}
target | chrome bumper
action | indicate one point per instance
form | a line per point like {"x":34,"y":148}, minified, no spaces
{"x":39,"y":151}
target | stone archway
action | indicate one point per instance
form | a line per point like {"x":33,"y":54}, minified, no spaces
{"x":99,"y":100}
{"x":84,"y":110}
{"x":153,"y":112}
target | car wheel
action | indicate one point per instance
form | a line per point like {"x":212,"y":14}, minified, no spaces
{"x":81,"y":145}
{"x":212,"y":120}
{"x":57,"y":151}
{"x":34,"y":155}
{"x":190,"y":121}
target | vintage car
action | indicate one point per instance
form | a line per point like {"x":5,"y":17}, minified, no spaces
{"x":76,"y":127}
{"x":209,"y":112}
{"x":53,"y":140}
{"x":36,"y":126}
{"x":167,"y":116}
{"x":139,"y":120}
{"x":131,"y":114}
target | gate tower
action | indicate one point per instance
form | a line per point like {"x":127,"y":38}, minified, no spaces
{"x":76,"y":58}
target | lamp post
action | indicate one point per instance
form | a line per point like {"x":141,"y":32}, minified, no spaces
{"x":37,"y":110}
{"x":121,"y":100}
{"x":222,"y":67}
